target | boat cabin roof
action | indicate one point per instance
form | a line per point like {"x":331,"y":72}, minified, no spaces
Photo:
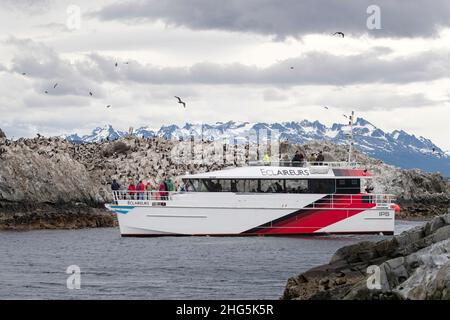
{"x":275,"y":172}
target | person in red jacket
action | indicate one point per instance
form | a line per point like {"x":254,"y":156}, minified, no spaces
{"x":131,"y":190}
{"x":141,"y":190}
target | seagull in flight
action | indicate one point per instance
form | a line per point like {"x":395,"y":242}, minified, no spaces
{"x":339,"y":34}
{"x":181,"y":101}
{"x":326,"y":107}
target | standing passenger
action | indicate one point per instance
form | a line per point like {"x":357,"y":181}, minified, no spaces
{"x":131,"y":190}
{"x":320,"y":158}
{"x":162,"y":190}
{"x":141,"y":190}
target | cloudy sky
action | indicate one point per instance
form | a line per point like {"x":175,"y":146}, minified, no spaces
{"x":252,"y":60}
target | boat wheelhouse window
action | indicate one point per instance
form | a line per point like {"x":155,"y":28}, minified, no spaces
{"x":326,"y":186}
{"x":348,"y":186}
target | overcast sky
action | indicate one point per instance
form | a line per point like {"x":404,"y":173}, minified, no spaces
{"x":252,"y":60}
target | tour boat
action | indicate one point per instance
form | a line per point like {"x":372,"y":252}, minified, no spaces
{"x":261,"y":200}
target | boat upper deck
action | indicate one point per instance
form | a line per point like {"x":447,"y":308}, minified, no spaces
{"x":288,"y":170}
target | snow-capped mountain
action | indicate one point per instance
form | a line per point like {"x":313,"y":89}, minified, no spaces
{"x":398,"y":147}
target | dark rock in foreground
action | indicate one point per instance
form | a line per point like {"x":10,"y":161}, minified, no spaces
{"x":22,"y":217}
{"x":413,"y":265}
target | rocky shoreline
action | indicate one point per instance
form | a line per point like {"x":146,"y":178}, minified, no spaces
{"x":414,"y":265}
{"x":32,"y":216}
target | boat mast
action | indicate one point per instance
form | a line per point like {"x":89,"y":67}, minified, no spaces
{"x":350,"y":149}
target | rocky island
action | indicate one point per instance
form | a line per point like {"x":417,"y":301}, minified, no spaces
{"x":52,"y":183}
{"x":414,"y":265}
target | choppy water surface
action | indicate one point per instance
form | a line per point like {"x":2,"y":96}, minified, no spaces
{"x":33,"y":264}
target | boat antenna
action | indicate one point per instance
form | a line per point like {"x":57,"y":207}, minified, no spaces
{"x":350,"y":149}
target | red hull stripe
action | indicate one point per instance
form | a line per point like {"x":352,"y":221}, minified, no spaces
{"x":314,"y":217}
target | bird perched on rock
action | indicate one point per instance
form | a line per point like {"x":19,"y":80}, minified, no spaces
{"x":181,"y":101}
{"x":341,"y":34}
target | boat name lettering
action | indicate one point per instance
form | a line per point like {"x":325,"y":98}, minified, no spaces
{"x":285,"y":172}
{"x":137,"y":202}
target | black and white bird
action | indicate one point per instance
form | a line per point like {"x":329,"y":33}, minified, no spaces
{"x":338,"y":33}
{"x":181,"y":101}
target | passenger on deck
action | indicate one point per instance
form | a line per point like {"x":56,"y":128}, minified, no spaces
{"x":150,"y":188}
{"x":163,"y":190}
{"x":131,"y":190}
{"x":320,"y":158}
{"x":141,"y":190}
{"x":266,"y":159}
{"x":297,"y":160}
{"x":169,"y":184}
{"x":312,"y":159}
{"x":115,"y":186}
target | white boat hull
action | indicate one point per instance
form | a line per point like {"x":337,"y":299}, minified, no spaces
{"x":226,"y":214}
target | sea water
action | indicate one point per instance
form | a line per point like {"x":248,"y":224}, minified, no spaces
{"x":33,"y":264}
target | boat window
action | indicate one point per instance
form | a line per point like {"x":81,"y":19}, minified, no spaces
{"x":326,"y":186}
{"x":348,"y":186}
{"x":251,"y":186}
{"x":297,"y":186}
{"x":237,"y":185}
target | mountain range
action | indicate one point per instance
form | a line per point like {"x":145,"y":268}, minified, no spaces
{"x":398,"y":148}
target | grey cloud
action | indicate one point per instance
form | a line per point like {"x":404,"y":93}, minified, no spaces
{"x":46,"y":67}
{"x":314,"y":68}
{"x":413,"y":18}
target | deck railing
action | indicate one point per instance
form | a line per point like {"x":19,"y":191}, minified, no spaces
{"x":288,"y":163}
{"x":360,"y":200}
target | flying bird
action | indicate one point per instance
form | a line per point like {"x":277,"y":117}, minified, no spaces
{"x":55,"y":85}
{"x":339,"y":34}
{"x":292,"y":68}
{"x":108,"y":106}
{"x":90,"y":93}
{"x":23,"y":73}
{"x":116,"y":64}
{"x":326,"y":107}
{"x":181,"y":101}
{"x":46,"y":91}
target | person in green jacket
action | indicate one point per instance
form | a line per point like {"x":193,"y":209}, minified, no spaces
{"x":169,"y":184}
